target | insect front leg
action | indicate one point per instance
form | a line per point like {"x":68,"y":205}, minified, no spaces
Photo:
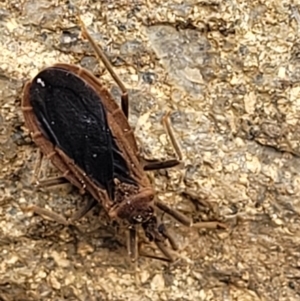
{"x":186,"y":221}
{"x":167,"y":256}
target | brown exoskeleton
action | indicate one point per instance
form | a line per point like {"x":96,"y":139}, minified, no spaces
{"x":78,"y":126}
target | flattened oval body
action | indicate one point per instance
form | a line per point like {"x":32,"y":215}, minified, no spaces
{"x":77,"y":124}
{"x":71,"y":115}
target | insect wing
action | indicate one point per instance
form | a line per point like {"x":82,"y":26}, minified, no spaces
{"x":72,"y":117}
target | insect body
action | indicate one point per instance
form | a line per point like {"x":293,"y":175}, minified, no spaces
{"x":86,"y":135}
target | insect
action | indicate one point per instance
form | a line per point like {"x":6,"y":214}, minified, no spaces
{"x":80,"y":128}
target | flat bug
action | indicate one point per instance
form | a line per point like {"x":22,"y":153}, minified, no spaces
{"x":77,"y":124}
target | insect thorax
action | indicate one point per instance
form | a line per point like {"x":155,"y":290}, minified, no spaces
{"x":132,"y":203}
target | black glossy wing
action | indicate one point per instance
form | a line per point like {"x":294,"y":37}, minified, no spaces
{"x":72,"y":116}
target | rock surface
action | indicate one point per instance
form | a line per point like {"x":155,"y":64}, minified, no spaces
{"x":229,"y":71}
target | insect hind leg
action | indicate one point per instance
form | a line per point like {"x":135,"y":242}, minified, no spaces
{"x":47,"y":213}
{"x":101,"y":55}
{"x":37,"y":168}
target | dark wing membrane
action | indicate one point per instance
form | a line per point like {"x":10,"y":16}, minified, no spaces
{"x":71,"y":115}
{"x":120,"y":167}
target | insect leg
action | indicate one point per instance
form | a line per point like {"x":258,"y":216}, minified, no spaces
{"x":37,"y":167}
{"x":209,"y":225}
{"x":52,"y":182}
{"x":207,"y":206}
{"x":132,"y":243}
{"x":186,"y":221}
{"x":101,"y":55}
{"x":154,"y":164}
{"x":168,"y":127}
{"x":164,"y":250}
{"x":163,"y":230}
{"x":58,"y":217}
{"x":69,"y":176}
{"x":174,"y":213}
{"x":47,"y":213}
{"x":84,"y":210}
{"x":134,"y":248}
{"x":45,"y":182}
